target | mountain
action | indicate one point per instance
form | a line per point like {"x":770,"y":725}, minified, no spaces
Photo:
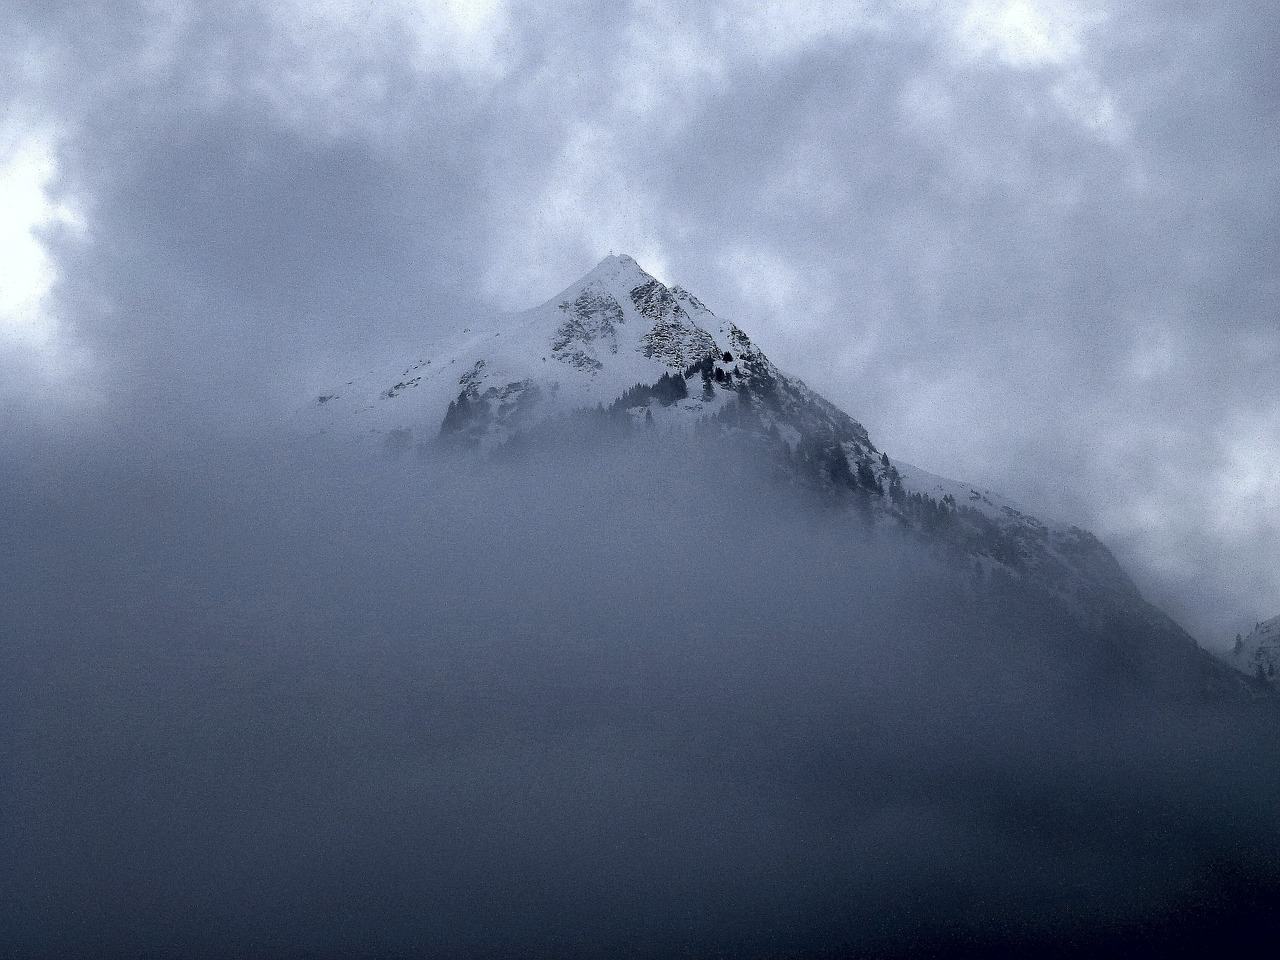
{"x":1258,"y":654}
{"x":618,"y":351}
{"x":614,"y":328}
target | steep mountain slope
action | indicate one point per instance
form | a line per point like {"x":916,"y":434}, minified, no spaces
{"x":619,"y":350}
{"x":1258,"y":654}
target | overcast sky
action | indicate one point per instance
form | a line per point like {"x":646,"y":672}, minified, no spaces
{"x":1028,"y":243}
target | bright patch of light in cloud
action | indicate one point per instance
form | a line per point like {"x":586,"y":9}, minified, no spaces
{"x":41,"y":366}
{"x":471,"y":17}
{"x":1035,"y":34}
{"x":27,"y":210}
{"x":1025,"y":33}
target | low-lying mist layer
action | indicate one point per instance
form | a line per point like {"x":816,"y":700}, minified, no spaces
{"x":602,"y":701}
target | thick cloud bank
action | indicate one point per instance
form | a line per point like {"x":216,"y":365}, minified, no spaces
{"x":1029,"y":243}
{"x":263,"y":701}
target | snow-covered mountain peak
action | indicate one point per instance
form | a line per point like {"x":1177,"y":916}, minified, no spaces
{"x":616,"y":274}
{"x":615,"y":327}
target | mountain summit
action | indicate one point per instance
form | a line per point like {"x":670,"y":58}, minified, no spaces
{"x":614,"y":328}
{"x":617,"y":338}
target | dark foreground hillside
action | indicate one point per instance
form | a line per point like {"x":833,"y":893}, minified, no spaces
{"x":595,"y":703}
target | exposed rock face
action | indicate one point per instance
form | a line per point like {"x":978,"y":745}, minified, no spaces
{"x":674,"y":339}
{"x":589,"y":328}
{"x":653,"y":301}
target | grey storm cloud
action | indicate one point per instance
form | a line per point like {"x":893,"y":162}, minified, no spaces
{"x":1030,"y":245}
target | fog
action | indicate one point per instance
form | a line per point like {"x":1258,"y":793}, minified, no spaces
{"x":282,"y":699}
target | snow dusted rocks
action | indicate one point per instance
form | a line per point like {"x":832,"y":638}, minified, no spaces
{"x":590,"y":328}
{"x":1258,"y":653}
